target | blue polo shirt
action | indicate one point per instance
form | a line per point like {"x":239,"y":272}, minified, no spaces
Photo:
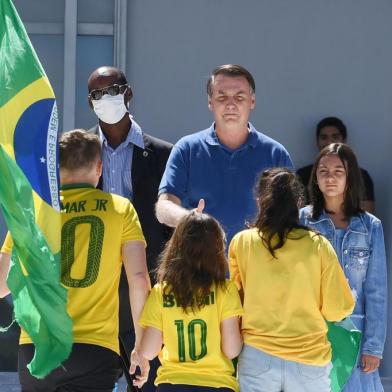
{"x":200,"y":167}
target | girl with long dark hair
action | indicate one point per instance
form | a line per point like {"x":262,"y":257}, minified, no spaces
{"x":291,"y":283}
{"x":358,"y":240}
{"x":194,"y":311}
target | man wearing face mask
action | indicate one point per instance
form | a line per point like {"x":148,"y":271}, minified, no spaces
{"x":133,"y":164}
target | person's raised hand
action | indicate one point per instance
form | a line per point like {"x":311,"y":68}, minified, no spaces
{"x":200,"y":206}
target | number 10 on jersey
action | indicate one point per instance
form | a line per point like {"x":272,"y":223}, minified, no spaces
{"x":194,"y":352}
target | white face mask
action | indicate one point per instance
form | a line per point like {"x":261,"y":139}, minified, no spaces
{"x":110,"y":109}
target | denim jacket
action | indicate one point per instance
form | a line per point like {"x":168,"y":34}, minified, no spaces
{"x":363,"y":260}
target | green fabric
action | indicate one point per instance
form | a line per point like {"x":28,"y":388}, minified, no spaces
{"x":345,"y":341}
{"x":39,"y":299}
{"x":19,"y":65}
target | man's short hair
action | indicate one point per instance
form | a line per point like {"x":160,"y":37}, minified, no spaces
{"x":332,"y":122}
{"x":231,"y":70}
{"x":107,"y":71}
{"x":79,"y":149}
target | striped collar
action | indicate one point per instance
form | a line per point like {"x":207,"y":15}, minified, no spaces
{"x":76,"y":185}
{"x":135,"y":135}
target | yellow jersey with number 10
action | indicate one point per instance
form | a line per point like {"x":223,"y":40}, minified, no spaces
{"x":192,"y":352}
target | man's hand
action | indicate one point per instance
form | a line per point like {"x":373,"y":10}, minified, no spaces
{"x":200,"y":207}
{"x":169,"y":210}
{"x":138,"y":360}
{"x":369,"y":363}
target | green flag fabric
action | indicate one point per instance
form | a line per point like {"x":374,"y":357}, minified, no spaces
{"x":345,"y":340}
{"x":29,"y":195}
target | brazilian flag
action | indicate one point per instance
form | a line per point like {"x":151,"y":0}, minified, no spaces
{"x":345,"y":341}
{"x":29,"y":195}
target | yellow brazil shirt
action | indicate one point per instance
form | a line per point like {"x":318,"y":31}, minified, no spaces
{"x":192,"y":342}
{"x":95,"y":225}
{"x":288,"y":299}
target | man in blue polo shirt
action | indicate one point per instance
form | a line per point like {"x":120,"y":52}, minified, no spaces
{"x":216,"y":169}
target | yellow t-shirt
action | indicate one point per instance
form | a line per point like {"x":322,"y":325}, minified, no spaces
{"x":192,"y":342}
{"x":288,"y":299}
{"x":95,"y":225}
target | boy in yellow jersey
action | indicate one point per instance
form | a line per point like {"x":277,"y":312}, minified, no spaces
{"x":100,"y":231}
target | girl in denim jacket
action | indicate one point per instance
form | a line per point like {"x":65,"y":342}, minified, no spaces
{"x":358,"y":240}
